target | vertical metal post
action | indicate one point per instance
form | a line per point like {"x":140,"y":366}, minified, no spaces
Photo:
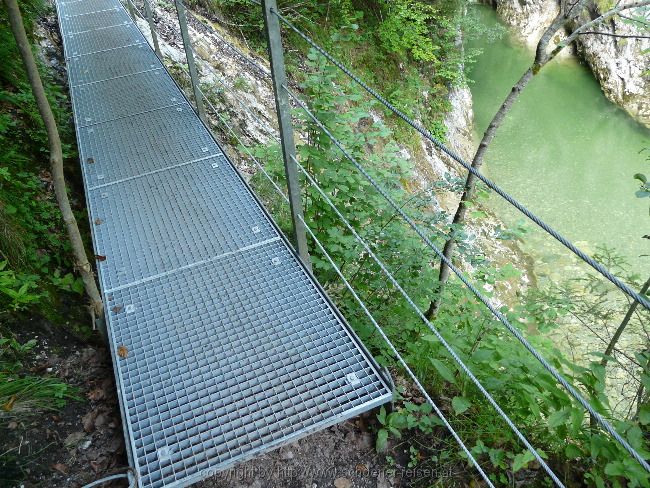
{"x":152,"y":28}
{"x":283,"y":109}
{"x":189,"y":55}
{"x":130,"y":8}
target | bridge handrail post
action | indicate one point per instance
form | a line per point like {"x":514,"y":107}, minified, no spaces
{"x":189,"y":55}
{"x":152,"y":28}
{"x":129,"y":7}
{"x":283,"y":110}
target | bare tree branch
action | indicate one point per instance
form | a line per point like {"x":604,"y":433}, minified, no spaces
{"x":609,"y":34}
{"x":623,"y":325}
{"x":644,"y":23}
{"x":602,"y":18}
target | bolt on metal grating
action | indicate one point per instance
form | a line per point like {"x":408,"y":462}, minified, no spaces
{"x":224,"y":346}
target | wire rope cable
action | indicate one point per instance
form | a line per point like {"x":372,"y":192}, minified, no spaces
{"x":370,"y":316}
{"x":433,"y":329}
{"x":511,"y":200}
{"x":577,"y":396}
{"x":513,"y":330}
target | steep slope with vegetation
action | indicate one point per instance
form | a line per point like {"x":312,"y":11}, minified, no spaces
{"x":59,"y":422}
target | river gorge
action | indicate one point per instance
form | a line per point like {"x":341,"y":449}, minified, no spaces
{"x":565,"y":151}
{"x":569,"y":154}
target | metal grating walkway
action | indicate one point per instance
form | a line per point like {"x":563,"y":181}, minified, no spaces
{"x":223,"y":345}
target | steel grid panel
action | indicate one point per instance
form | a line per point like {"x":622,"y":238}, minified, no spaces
{"x":121,"y":97}
{"x":75,"y":24}
{"x":148,"y":142}
{"x":232,"y":358}
{"x":102,"y":40}
{"x":106,"y":65}
{"x":223,"y":345}
{"x":85,"y":7}
{"x":168,"y":220}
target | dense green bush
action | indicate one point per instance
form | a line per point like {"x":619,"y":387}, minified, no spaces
{"x":409,"y":49}
{"x":33,"y":246}
{"x":544,"y":411}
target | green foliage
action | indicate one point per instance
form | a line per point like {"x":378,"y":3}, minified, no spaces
{"x":407,"y":29}
{"x":525,"y":390}
{"x":12,"y":71}
{"x":406,"y":416}
{"x":12,"y":353}
{"x":408,"y":49}
{"x":27,"y":395}
{"x":15,"y":291}
{"x":33,"y":247}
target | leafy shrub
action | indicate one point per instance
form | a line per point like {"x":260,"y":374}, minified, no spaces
{"x":549,"y":417}
{"x":33,"y":246}
{"x":27,"y":395}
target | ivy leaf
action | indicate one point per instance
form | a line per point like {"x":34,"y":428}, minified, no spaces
{"x":635,"y":437}
{"x":558,"y":418}
{"x":572,"y":452}
{"x":443,"y":370}
{"x":521,"y":460}
{"x":381,"y":416}
{"x":644,"y":415}
{"x":641,"y":177}
{"x":460,"y":404}
{"x":615,"y":468}
{"x":496,"y":457}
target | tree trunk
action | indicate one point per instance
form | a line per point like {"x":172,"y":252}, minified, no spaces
{"x":470,"y":187}
{"x":541,"y":59}
{"x":621,"y":328}
{"x":80,"y":258}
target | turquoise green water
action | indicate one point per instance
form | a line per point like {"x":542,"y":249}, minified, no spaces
{"x":564,"y":151}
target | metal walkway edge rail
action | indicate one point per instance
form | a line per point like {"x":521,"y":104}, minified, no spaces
{"x":224,"y":345}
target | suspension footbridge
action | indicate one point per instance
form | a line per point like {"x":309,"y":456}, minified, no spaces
{"x":224,"y":344}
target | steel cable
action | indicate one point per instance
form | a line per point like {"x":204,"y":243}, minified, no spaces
{"x":433,"y":329}
{"x":513,"y":330}
{"x":601,"y":421}
{"x":364,"y":308}
{"x":452,"y":154}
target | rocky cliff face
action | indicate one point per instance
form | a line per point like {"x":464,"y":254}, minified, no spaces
{"x":617,"y":62}
{"x":528,"y":18}
{"x":243,"y":96}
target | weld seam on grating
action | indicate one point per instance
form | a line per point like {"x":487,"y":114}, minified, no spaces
{"x":106,"y":50}
{"x":117,"y":77}
{"x":191,"y":265}
{"x":98,"y":28}
{"x":153,"y":172}
{"x":68,"y":16}
{"x":133,"y":114}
